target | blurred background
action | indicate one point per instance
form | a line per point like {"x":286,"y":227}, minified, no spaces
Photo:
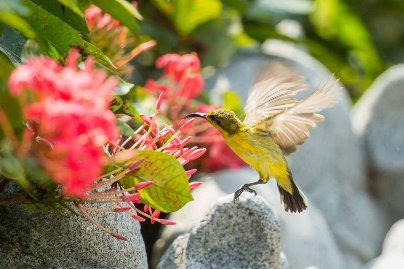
{"x":351,"y":168}
{"x":356,"y":40}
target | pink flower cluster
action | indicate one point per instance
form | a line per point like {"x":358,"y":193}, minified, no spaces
{"x":181,"y":80}
{"x":166,"y":139}
{"x":67,"y":109}
{"x":149,"y":136}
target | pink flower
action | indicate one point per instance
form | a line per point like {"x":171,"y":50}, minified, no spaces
{"x":99,"y":20}
{"x":181,"y":81}
{"x":176,"y":65}
{"x":71,"y":115}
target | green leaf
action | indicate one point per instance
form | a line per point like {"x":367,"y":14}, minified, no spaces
{"x":12,"y":109}
{"x":186,"y":15}
{"x":170,"y":190}
{"x":6,"y":68}
{"x":232,"y":101}
{"x":125,"y":128}
{"x":56,"y":36}
{"x":121,"y":10}
{"x":190,"y":14}
{"x":11,"y":167}
{"x":123,"y":106}
{"x":73,"y":5}
{"x":71,"y":15}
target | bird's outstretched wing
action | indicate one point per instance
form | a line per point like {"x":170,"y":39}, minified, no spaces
{"x":273,"y":95}
{"x":272,"y":108}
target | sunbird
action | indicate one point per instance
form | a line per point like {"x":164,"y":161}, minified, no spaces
{"x":275,"y":124}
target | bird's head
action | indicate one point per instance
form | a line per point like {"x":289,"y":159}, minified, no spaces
{"x":223,"y":120}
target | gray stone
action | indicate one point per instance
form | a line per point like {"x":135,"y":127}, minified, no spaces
{"x":61,"y":239}
{"x":232,"y":235}
{"x":392,"y":256}
{"x":330,"y":166}
{"x":303,"y":236}
{"x":378,"y":120}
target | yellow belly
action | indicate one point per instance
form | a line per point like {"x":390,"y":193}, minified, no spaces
{"x":261,"y":153}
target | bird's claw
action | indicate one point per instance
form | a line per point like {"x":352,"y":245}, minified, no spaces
{"x":243,"y":188}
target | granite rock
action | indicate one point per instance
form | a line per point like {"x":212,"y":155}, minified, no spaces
{"x":378,"y":120}
{"x":61,"y":239}
{"x":298,"y":231}
{"x":232,"y":235}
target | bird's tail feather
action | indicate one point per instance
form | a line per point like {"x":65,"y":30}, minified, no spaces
{"x":293,"y":202}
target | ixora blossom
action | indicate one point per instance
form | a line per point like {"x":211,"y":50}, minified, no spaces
{"x":181,"y":84}
{"x":67,"y":110}
{"x":73,"y":134}
{"x":114,"y":39}
{"x":149,"y":137}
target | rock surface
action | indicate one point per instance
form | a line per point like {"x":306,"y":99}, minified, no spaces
{"x":378,"y":119}
{"x":232,"y":235}
{"x":298,"y":231}
{"x":60,"y":239}
{"x":392,"y":256}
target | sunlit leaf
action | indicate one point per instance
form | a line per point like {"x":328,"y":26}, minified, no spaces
{"x":189,"y":14}
{"x":170,"y":190}
{"x":75,"y":18}
{"x":58,"y":37}
{"x":186,"y":15}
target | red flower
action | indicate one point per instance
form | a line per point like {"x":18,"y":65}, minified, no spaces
{"x":99,"y":20}
{"x":181,"y":81}
{"x":71,"y":115}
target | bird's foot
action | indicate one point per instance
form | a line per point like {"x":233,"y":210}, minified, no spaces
{"x":245,"y":187}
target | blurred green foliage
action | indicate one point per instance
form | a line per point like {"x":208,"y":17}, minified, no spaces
{"x":356,"y":40}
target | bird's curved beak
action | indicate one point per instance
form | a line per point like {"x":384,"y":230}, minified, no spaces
{"x":196,"y":115}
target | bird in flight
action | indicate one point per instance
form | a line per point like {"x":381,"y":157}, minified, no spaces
{"x":275,"y":124}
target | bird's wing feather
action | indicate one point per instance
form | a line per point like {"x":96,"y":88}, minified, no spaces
{"x":272,"y":108}
{"x":291,"y":128}
{"x":274,"y":95}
